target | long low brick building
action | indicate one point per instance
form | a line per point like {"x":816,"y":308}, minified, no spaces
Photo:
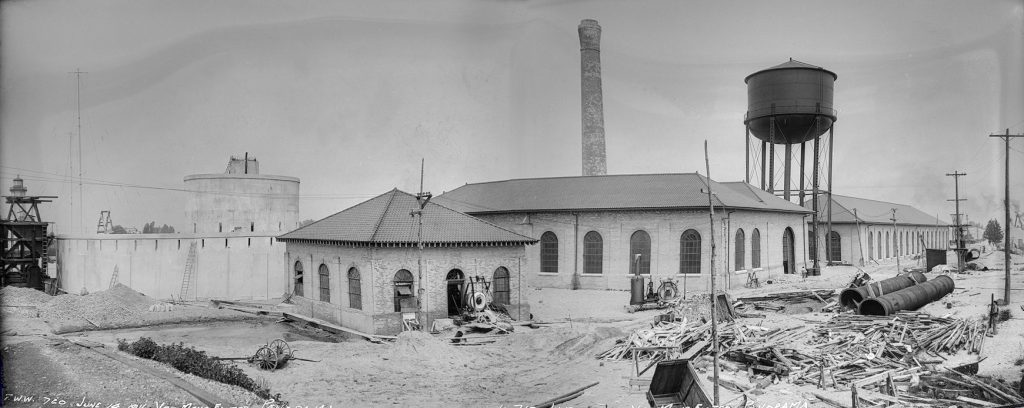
{"x":592,"y":228}
{"x":360,"y":268}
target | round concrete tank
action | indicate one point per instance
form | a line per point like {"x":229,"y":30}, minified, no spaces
{"x":798,"y":95}
{"x":243,"y":202}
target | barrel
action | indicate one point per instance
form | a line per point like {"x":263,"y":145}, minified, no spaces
{"x":852,"y":297}
{"x":910,"y":298}
{"x":636,"y":290}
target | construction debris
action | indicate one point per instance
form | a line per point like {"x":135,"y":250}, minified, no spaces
{"x":780,"y":301}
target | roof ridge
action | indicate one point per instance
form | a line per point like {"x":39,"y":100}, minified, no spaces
{"x":480,"y":219}
{"x":707,"y":184}
{"x":380,"y":219}
{"x":583,"y":177}
{"x":332,"y":215}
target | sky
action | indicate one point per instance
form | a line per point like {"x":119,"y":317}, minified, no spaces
{"x":349,"y":96}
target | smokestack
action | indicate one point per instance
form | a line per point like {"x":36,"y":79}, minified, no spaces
{"x":593,"y":104}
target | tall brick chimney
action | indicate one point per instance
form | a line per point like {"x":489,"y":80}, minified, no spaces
{"x":593,"y":104}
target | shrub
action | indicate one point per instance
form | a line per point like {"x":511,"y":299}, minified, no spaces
{"x":195,"y":362}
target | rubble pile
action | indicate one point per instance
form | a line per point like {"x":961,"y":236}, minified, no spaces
{"x":115,"y":307}
{"x":15,"y":296}
{"x":780,"y":301}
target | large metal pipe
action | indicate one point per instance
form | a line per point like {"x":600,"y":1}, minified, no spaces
{"x":852,"y":297}
{"x":910,"y":298}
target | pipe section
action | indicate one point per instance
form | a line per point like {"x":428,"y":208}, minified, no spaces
{"x":852,"y":297}
{"x":910,"y":298}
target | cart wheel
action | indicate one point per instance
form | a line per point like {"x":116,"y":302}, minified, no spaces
{"x":282,"y":348}
{"x":266,"y":358}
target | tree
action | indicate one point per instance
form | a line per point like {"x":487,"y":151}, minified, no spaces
{"x":166,"y":229}
{"x":306,"y":222}
{"x":993,"y":232}
{"x":117,"y":229}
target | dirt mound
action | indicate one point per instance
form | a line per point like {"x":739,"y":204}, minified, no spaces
{"x":426,"y":349}
{"x":119,"y":306}
{"x":15,"y":296}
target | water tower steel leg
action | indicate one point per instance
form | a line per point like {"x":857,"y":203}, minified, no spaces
{"x":814,"y":205}
{"x":771,"y":154}
{"x":764,"y":162}
{"x":803,"y":155}
{"x":829,"y":215}
{"x":789,"y":171}
{"x":747,"y":169}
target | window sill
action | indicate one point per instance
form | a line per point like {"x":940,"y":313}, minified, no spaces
{"x":592,"y":275}
{"x":547,"y":273}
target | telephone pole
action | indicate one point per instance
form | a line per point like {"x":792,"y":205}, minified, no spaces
{"x":958,"y":234}
{"x":1006,"y":222}
{"x":894,"y":234}
{"x":78,"y":106}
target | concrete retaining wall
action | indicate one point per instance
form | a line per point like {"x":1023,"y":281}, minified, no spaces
{"x":227,"y":266}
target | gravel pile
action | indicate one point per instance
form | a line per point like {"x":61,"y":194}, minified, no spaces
{"x":428,"y":350}
{"x":15,"y":296}
{"x":116,"y":307}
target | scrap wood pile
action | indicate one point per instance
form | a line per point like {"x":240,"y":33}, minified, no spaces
{"x":852,"y":347}
{"x":684,"y":339}
{"x":951,"y":387}
{"x":779,"y":301}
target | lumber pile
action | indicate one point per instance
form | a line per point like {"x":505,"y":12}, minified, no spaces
{"x":677,"y":338}
{"x":953,"y":388}
{"x":779,"y":301}
{"x":920,"y":330}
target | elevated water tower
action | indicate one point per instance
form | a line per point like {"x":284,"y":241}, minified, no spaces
{"x":791,"y":104}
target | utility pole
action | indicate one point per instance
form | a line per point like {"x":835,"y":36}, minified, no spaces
{"x":78,"y":105}
{"x":894,"y":234}
{"x":422,"y":198}
{"x":714,"y":297}
{"x":1006,"y":222}
{"x":958,"y":234}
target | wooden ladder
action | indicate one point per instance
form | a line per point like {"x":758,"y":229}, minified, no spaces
{"x":113,"y":278}
{"x":190,"y":265}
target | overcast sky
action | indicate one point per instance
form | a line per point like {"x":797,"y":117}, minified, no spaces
{"x":348,"y":96}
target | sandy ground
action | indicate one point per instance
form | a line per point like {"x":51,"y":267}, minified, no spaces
{"x":526,"y":367}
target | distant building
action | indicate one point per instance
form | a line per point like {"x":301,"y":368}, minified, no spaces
{"x":592,"y":228}
{"x":360,"y":267}
{"x":863,"y":231}
{"x":241,"y":200}
{"x":234,"y":216}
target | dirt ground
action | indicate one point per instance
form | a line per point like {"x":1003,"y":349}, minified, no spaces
{"x":523,"y":368}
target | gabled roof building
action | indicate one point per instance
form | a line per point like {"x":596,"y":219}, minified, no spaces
{"x":863,"y":231}
{"x":595,"y":231}
{"x":361,"y":267}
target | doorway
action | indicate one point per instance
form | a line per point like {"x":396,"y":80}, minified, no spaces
{"x":788,"y":255}
{"x":456,"y":284}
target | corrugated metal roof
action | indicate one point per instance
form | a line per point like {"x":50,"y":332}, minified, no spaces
{"x":875,"y":212}
{"x":387,"y":219}
{"x":610,"y":192}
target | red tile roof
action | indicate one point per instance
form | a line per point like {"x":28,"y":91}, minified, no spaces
{"x":387,"y":219}
{"x":611,"y":192}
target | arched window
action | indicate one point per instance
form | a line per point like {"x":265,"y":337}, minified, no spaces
{"x":297,"y":291}
{"x":501,"y":288}
{"x":549,"y":252}
{"x":405,"y":298}
{"x":741,"y":249}
{"x":640,"y":243}
{"x":325,"y":283}
{"x":355,"y":289}
{"x":593,"y":252}
{"x":689,"y":252}
{"x":835,"y":249}
{"x":755,"y":249}
{"x":871,"y":246}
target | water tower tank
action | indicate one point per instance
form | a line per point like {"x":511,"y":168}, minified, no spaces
{"x":799,"y":95}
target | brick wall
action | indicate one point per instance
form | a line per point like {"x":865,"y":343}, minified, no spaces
{"x":665,"y":229}
{"x":378,"y":267}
